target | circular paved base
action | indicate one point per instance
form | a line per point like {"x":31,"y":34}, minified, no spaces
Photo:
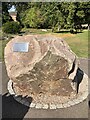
{"x":82,"y":95}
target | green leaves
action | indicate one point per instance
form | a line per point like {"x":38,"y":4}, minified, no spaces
{"x":56,"y":15}
{"x":11,"y":27}
{"x":33,"y":18}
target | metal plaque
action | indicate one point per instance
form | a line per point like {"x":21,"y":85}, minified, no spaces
{"x":20,"y":47}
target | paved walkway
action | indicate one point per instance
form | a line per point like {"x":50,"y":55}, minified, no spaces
{"x":12,"y":108}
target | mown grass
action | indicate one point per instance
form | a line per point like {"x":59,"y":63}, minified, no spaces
{"x":77,"y":42}
{"x":35,"y":31}
{"x":2,"y":46}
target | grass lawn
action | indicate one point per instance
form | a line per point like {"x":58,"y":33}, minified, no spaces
{"x":2,"y":46}
{"x":77,"y":42}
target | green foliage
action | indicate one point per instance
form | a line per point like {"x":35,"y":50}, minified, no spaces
{"x":71,"y":14}
{"x":32,"y":18}
{"x":79,"y":43}
{"x":11,"y":27}
{"x":55,"y":15}
{"x":80,"y":14}
{"x":5,"y":15}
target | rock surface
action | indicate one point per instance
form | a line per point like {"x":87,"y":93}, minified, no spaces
{"x":44,"y":68}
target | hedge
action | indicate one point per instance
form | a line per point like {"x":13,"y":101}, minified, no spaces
{"x":11,"y":27}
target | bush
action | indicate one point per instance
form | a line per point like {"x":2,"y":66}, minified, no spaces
{"x":11,"y":27}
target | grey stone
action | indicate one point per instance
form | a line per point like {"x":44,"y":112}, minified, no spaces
{"x":9,"y":87}
{"x":45,"y":106}
{"x":11,"y":91}
{"x":85,"y":94}
{"x":32,"y":105}
{"x":65,"y":105}
{"x":71,"y":102}
{"x":27,"y":104}
{"x":23,"y":101}
{"x":18,"y":98}
{"x":38,"y":106}
{"x":52,"y":106}
{"x":59,"y":106}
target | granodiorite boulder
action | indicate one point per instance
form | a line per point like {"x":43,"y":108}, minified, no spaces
{"x":48,"y":67}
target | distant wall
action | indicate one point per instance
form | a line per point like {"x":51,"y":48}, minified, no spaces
{"x":13,"y":15}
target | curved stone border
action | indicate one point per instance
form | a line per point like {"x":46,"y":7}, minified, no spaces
{"x":70,"y":103}
{"x":10,"y":87}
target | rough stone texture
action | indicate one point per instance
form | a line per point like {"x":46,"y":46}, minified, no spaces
{"x":38,"y":106}
{"x":52,"y":106}
{"x":45,"y":106}
{"x":27,"y":104}
{"x":18,"y":98}
{"x":54,"y":101}
{"x":44,"y":68}
{"x":32,"y":105}
{"x":9,"y":87}
{"x":66,"y":105}
{"x":59,"y":106}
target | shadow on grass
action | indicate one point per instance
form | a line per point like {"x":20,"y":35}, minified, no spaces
{"x":63,"y":31}
{"x":76,"y":32}
{"x":72,"y":32}
{"x":13,"y":109}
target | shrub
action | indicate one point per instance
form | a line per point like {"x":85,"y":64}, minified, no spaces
{"x":11,"y":27}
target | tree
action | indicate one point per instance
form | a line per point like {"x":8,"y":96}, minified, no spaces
{"x":5,"y":14}
{"x":21,"y":7}
{"x":86,"y":9}
{"x":33,"y":18}
{"x":71,"y":15}
{"x":62,"y":14}
{"x":50,"y":14}
{"x":0,"y":14}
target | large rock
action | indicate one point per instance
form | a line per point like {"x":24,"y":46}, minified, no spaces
{"x":48,"y":62}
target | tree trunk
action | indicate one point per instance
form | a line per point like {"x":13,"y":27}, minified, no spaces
{"x":59,"y":26}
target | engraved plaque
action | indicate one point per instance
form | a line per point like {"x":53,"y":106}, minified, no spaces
{"x":20,"y":47}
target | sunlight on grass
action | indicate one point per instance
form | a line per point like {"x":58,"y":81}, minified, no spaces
{"x":77,"y":42}
{"x":2,"y":46}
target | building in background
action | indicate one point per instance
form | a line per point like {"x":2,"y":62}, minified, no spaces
{"x":13,"y":13}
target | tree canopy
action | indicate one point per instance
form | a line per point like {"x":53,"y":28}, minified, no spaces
{"x":55,"y":15}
